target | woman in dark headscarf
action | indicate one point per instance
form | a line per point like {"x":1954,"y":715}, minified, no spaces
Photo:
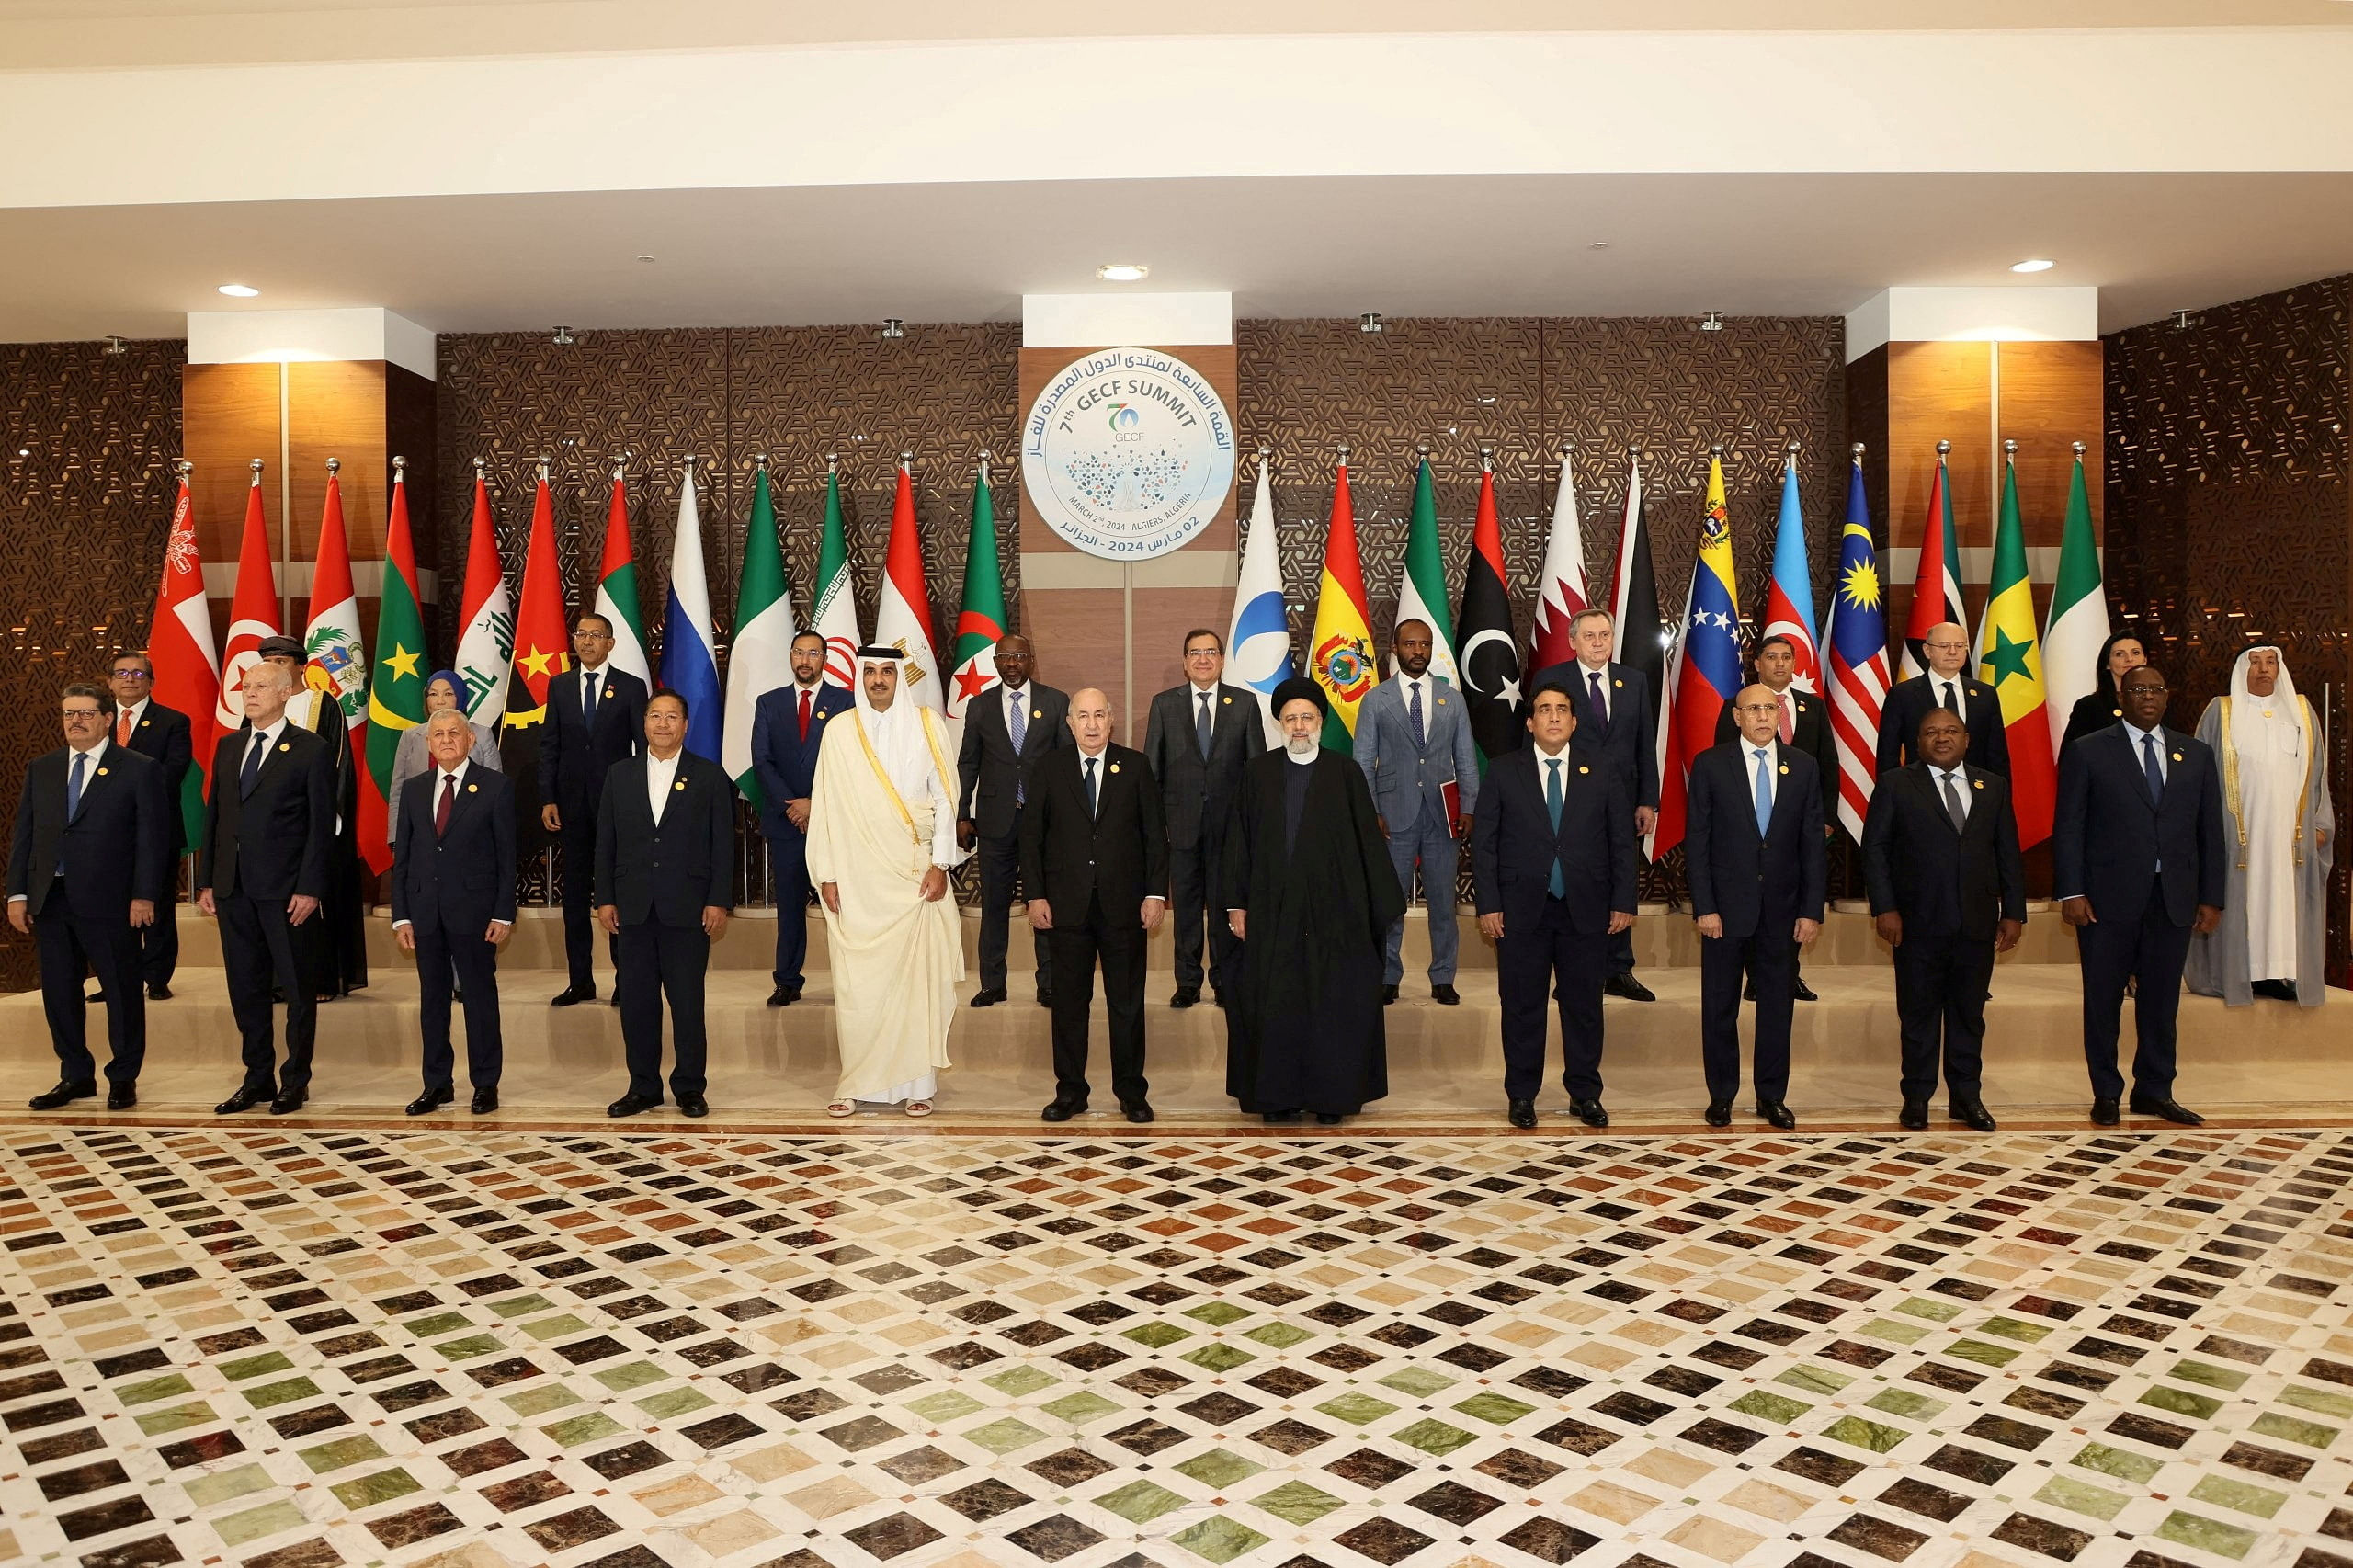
{"x":2122,"y":651}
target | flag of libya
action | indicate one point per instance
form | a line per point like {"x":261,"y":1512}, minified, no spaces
{"x":1489,"y":653}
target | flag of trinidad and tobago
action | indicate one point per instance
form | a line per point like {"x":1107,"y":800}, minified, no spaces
{"x":1485,"y":650}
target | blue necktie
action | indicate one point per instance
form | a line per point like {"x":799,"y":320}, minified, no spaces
{"x":1764,"y":792}
{"x":1414,"y":713}
{"x":1203,"y":729}
{"x":1090,"y":786}
{"x":1552,"y":804}
{"x":2156,"y":774}
{"x":255,"y":749}
{"x":1021,"y":733}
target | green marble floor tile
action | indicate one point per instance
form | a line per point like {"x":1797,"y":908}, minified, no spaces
{"x":244,"y":1367}
{"x":539,"y":1401}
{"x":1014,"y":1381}
{"x":1864,"y":1434}
{"x":1217,"y":1357}
{"x":1156,"y":1333}
{"x":1297,"y":1503}
{"x":1982,"y":1353}
{"x":1814,"y":1379}
{"x":2012,"y":1328}
{"x":1004,"y":1436}
{"x":254,"y":1523}
{"x":1419,"y":1382}
{"x":1140,"y":1502}
{"x":674,"y":1401}
{"x":630,"y":1375}
{"x":2121,"y":1463}
{"x":204,"y":1491}
{"x":2287,"y":1429}
{"x":1217,"y":1313}
{"x":575,"y":1430}
{"x":1281,"y":1335}
{"x":1904,"y":1402}
{"x":563,"y":1325}
{"x":1500,"y":1408}
{"x":1894,"y":1331}
{"x":522,"y":1306}
{"x":369,"y":1490}
{"x":153,"y":1389}
{"x":1218,"y":1539}
{"x":1081,"y":1407}
{"x":2238,"y":1495}
{"x":2321,"y":1400}
{"x":1929,"y":1308}
{"x":2075,"y":1496}
{"x":179,"y":1418}
{"x":1434,"y":1437}
{"x":437,"y":1323}
{"x":1219,"y":1468}
{"x":943,"y":1406}
{"x":355,"y":1449}
{"x":469,"y":1346}
{"x":1356,"y":1409}
{"x":2207,"y":1535}
{"x":2207,"y":1375}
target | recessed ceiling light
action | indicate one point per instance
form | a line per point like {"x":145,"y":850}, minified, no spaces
{"x":1123,"y":272}
{"x":239,"y":291}
{"x":2036,"y":264}
{"x":1598,"y":244}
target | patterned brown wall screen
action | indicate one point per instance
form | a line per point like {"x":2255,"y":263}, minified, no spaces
{"x":2228,"y":514}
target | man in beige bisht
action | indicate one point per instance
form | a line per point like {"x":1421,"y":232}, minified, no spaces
{"x":881,"y":840}
{"x":2273,"y":932}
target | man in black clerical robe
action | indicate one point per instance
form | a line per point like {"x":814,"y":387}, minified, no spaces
{"x":1310,"y":893}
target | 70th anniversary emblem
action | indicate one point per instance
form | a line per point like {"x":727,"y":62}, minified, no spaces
{"x":1128,"y":453}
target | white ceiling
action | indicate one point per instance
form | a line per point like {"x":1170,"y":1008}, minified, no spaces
{"x":1677,"y":245}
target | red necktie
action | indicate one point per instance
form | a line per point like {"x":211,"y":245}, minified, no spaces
{"x":804,"y":715}
{"x":449,"y":798}
{"x":1788,"y":725}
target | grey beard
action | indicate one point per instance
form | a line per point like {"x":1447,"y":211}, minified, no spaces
{"x":1302,"y":747}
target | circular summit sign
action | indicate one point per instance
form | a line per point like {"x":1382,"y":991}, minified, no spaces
{"x":1128,"y":453}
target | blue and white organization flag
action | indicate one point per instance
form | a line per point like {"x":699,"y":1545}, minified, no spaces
{"x":688,"y":666}
{"x":1258,"y":645}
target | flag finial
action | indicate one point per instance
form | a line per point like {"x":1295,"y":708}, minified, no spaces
{"x":1943,"y":447}
{"x":621,"y":469}
{"x":1423,"y":448}
{"x":1344,"y":454}
{"x":2010,"y":450}
{"x":1634,"y":451}
{"x":256,"y":466}
{"x":760,"y":460}
{"x":334,"y":466}
{"x":1486,"y":459}
{"x":907,"y":459}
{"x":482,"y":465}
{"x":400,"y":470}
{"x":1716,"y":450}
{"x":1856,"y":451}
{"x":2079,"y":450}
{"x":541,"y":461}
{"x":184,"y":468}
{"x":1794,"y":446}
{"x":832,"y":461}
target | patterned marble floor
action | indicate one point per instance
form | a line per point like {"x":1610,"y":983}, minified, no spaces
{"x":294,"y":1350}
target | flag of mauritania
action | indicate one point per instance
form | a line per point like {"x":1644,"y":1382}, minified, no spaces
{"x":981,"y":621}
{"x":1421,"y":593}
{"x":760,"y":659}
{"x":2008,"y":659}
{"x":396,"y":697}
{"x":2078,"y":623}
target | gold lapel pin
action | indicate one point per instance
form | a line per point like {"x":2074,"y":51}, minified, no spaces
{"x":102,"y":773}
{"x":679,"y":785}
{"x":1229,"y":701}
{"x":1785,"y":768}
{"x":2176,"y":757}
{"x":1037,"y":713}
{"x":472,"y":787}
{"x":1617,"y":683}
{"x":1115,"y":768}
{"x":1441,"y":702}
{"x":1582,"y":768}
{"x":144,"y":722}
{"x":1979,"y":782}
{"x":286,"y":746}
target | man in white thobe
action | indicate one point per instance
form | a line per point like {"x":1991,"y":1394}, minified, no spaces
{"x":2273,"y":934}
{"x":881,"y":841}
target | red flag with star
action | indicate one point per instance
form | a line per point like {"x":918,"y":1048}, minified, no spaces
{"x":542,"y":651}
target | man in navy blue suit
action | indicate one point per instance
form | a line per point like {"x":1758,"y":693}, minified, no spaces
{"x":453,"y":904}
{"x":788,"y":726}
{"x":1752,"y":844}
{"x":1617,"y":716}
{"x":1548,"y":902}
{"x":2136,"y":852}
{"x":90,"y":862}
{"x":596,"y":717}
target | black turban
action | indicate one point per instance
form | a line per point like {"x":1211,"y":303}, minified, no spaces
{"x":1296,"y":688}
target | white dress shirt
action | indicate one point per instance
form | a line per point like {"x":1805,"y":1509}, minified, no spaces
{"x":1958,"y":777}
{"x":659,"y":776}
{"x":263,"y":739}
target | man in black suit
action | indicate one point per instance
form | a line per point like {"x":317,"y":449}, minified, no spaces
{"x":2136,"y":852}
{"x":1548,"y":902}
{"x":1007,"y":729}
{"x":1940,"y":857}
{"x":163,"y":735}
{"x":1617,"y":715}
{"x":1803,"y":722}
{"x":1197,"y":740}
{"x":665,"y":872}
{"x":1908,"y":701}
{"x":453,"y":903}
{"x":261,"y":871}
{"x":596,"y":718}
{"x":89,"y":863}
{"x":1095,"y":858}
{"x":1752,"y":844}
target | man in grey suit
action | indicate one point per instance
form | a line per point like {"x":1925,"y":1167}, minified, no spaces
{"x":1414,"y":743}
{"x":1007,"y":729}
{"x":1199,"y":738}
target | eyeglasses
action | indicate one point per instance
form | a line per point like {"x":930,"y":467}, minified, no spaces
{"x":80,"y":713}
{"x":132,"y":675}
{"x":1759,"y":708}
{"x":1201,"y":652}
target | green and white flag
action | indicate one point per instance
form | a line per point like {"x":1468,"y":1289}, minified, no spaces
{"x":834,"y":612}
{"x":760,"y":659}
{"x":1421,"y":593}
{"x":980,"y":623}
{"x":2078,"y":620}
{"x":616,"y":596}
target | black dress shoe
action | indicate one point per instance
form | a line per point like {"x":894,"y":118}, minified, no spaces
{"x":1720,"y":1113}
{"x":430,"y":1101}
{"x":987,"y":996}
{"x":159,"y":994}
{"x":1045,"y":997}
{"x":63,"y":1094}
{"x":485,"y":1101}
{"x":1387,"y":995}
{"x":1589,"y":1112}
{"x":1626,"y":985}
{"x":1221,"y":999}
{"x":2275,"y":990}
{"x":1137,"y":1111}
{"x":122,"y":1096}
{"x":1328,"y":1118}
{"x":784,"y":996}
{"x":1279,"y":1117}
{"x":615,"y":999}
{"x":1523,"y":1114}
{"x":571,"y":994}
{"x":2167,"y":1109}
{"x":1062,"y":1110}
{"x":2104,"y":1112}
{"x":1971,"y":1114}
{"x":630,"y":1105}
{"x":1446,"y":997}
{"x":244,"y":1099}
{"x":1749,"y":991}
{"x":288,"y":1101}
{"x":693,"y":1104}
{"x":1779,"y":1114}
{"x":1801,"y":991}
{"x":1186,"y":996}
{"x":1913,"y":1118}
